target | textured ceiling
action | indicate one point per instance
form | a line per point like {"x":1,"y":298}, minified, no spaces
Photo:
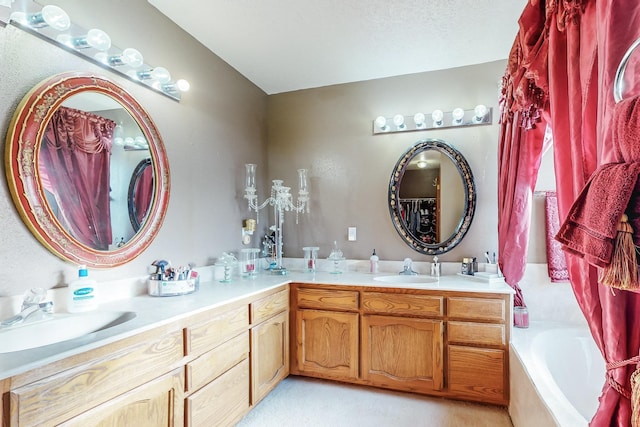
{"x":286,"y":45}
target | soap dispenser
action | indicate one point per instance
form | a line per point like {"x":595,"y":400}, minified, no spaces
{"x":373,"y":263}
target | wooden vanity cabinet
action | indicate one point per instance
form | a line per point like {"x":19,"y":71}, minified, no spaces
{"x":399,"y":351}
{"x":478,"y":338}
{"x":326,"y":339}
{"x":269,"y":343}
{"x":444,"y":343}
{"x":217,"y":373}
{"x":137,"y":378}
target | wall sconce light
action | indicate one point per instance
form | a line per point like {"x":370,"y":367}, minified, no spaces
{"x":437,"y":117}
{"x":52,"y":24}
{"x":480,"y":115}
{"x":95,"y":38}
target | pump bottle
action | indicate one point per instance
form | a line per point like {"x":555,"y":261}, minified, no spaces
{"x":82,"y":292}
{"x":373,"y":261}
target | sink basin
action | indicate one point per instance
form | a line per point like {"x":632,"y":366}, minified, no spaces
{"x":60,"y":327}
{"x":400,"y":279}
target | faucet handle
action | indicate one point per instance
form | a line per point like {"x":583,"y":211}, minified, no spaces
{"x":33,"y":296}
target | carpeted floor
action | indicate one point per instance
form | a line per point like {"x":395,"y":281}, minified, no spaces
{"x":306,"y":402}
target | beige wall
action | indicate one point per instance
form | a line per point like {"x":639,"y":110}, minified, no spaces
{"x":225,"y":121}
{"x":329,"y":131}
{"x":218,"y":127}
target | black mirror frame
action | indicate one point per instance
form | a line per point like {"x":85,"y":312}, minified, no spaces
{"x":469,"y":197}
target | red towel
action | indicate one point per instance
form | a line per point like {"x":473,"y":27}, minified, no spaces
{"x":591,"y":225}
{"x":556,"y":262}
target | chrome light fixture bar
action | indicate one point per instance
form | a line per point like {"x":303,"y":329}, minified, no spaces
{"x":52,"y":24}
{"x":437,"y":119}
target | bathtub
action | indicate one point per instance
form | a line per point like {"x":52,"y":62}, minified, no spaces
{"x":557,"y":374}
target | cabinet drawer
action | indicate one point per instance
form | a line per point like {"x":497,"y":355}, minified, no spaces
{"x":217,"y":361}
{"x":82,"y":387}
{"x":412,"y":305}
{"x":476,"y":333}
{"x":269,"y":305}
{"x":327,"y":299}
{"x":216,"y":330}
{"x":489,"y":309}
{"x":223,"y":401}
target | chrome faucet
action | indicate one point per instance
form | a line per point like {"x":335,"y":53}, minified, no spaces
{"x":32,"y":304}
{"x":408,"y":268}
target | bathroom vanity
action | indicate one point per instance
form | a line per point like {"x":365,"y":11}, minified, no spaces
{"x":431,"y":341}
{"x":208,"y":357}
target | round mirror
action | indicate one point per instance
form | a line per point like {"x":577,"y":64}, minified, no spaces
{"x":432,"y":197}
{"x":72,"y":149}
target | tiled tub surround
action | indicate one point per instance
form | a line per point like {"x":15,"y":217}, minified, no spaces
{"x":556,"y":370}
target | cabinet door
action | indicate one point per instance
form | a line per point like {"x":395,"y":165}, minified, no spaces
{"x":269,"y":355}
{"x":157,"y":403}
{"x":327,"y":344}
{"x":402,"y":353}
{"x":478,"y":374}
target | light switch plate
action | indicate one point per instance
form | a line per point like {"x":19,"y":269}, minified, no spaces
{"x":352,"y":234}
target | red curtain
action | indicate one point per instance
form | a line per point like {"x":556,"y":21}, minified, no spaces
{"x":586,"y":41}
{"x":143,"y":193}
{"x":74,"y":158}
{"x":521,"y":144}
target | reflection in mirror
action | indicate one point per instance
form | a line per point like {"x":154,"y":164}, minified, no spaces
{"x":140,"y":193}
{"x":432,"y":197}
{"x":72,"y":148}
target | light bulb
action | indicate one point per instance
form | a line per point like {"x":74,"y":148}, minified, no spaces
{"x":183,"y":85}
{"x":19,"y":17}
{"x":161,"y":75}
{"x":457,"y":115}
{"x":95,"y":38}
{"x":381,"y":123}
{"x":129,"y":56}
{"x":419,"y":120}
{"x":140,"y":140}
{"x":398,"y":120}
{"x":128,"y":141}
{"x":480,"y":111}
{"x":180,"y":85}
{"x":421,"y":164}
{"x":98,"y":39}
{"x":437,"y":117}
{"x":50,"y":15}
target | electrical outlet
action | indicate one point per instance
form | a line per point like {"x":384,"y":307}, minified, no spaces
{"x":352,"y":234}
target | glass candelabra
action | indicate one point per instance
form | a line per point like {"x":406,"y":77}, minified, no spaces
{"x":282,"y":202}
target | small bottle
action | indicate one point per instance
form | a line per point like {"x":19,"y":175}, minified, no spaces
{"x":82,"y":293}
{"x":373,"y":261}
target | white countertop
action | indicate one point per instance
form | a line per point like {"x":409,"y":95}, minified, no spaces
{"x":152,"y":312}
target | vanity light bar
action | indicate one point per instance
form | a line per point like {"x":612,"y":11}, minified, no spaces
{"x":438,"y":119}
{"x":95,"y":46}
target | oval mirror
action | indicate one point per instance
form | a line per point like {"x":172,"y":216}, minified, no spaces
{"x":72,"y":148}
{"x":140,"y":193}
{"x":432,"y":197}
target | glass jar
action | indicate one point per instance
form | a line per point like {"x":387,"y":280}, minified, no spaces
{"x":520,"y":317}
{"x":310,"y":258}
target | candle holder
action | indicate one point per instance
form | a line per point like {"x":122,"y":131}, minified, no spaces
{"x":281,"y":201}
